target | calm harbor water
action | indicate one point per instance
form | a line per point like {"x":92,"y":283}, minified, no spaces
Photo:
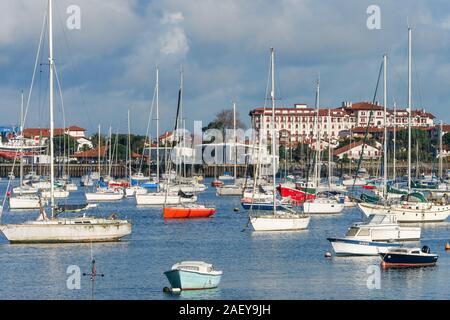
{"x":254,"y":265}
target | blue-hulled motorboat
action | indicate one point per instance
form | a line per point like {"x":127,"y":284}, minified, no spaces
{"x":408,"y":257}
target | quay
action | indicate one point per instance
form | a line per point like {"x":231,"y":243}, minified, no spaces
{"x":211,"y":171}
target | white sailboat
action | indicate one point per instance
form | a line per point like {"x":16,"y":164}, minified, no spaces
{"x":23,"y":196}
{"x":103,"y":193}
{"x":285,"y":219}
{"x":52,"y":229}
{"x":326,"y":204}
{"x":131,"y":190}
{"x":24,"y":201}
{"x":231,"y":189}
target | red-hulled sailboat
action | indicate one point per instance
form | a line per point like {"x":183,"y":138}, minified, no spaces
{"x":297,"y":196}
{"x":183,"y":210}
{"x":188,"y":211}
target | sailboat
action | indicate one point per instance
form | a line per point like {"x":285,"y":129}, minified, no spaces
{"x":52,"y":229}
{"x":24,"y":196}
{"x":285,"y":219}
{"x":324,"y":204}
{"x":412,"y":207}
{"x":182,"y":210}
{"x":170,"y":195}
{"x":23,"y":188}
{"x":133,"y":189}
{"x":103,"y":192}
{"x":231,"y":189}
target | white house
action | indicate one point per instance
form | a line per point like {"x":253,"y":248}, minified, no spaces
{"x":354,"y":150}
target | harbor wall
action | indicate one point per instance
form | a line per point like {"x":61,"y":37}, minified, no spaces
{"x":120,"y":170}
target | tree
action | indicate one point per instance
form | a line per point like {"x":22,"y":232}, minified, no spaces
{"x":282,"y":152}
{"x":446,"y":139}
{"x":64,"y":141}
{"x":224,"y":120}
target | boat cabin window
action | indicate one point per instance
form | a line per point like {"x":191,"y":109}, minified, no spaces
{"x":376,"y":218}
{"x":193,"y":268}
{"x":415,"y":252}
{"x":352,"y":232}
{"x":364,"y":232}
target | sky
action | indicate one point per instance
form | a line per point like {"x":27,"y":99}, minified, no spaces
{"x":107,"y":66}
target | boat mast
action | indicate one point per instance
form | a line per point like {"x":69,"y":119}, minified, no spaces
{"x":129,"y":147}
{"x":441,"y":131}
{"x":180,"y":117}
{"x":394,"y":161}
{"x":99,"y":146}
{"x":52,"y":125}
{"x":385,"y":125}
{"x":409,"y":109}
{"x":329,"y":148}
{"x":21,"y":132}
{"x":157,"y":125}
{"x":234,"y":141}
{"x":316,"y":130}
{"x":109,"y":151}
{"x":272,"y":95}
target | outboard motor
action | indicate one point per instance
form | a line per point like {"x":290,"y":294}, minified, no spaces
{"x":426,"y":249}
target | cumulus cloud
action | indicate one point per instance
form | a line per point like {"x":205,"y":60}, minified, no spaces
{"x":224,"y":49}
{"x":174,"y":42}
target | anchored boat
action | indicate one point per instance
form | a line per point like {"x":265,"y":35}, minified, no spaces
{"x":376,"y":235}
{"x":188,"y":211}
{"x":193,"y":275}
{"x":408,"y":257}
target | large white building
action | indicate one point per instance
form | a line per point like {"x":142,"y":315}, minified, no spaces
{"x":297,"y":124}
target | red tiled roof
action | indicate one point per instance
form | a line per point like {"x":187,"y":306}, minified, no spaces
{"x":348,"y":147}
{"x":41,"y":132}
{"x":310,"y":112}
{"x":363,"y":130}
{"x":364,"y":106}
{"x":165,"y":135}
{"x":75,"y":128}
{"x":445,"y":127}
{"x":45,"y":132}
{"x":92,"y":153}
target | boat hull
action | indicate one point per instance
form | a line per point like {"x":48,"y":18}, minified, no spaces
{"x":348,"y":247}
{"x":131,"y":191}
{"x":187,"y":213}
{"x":29,"y":190}
{"x":395,"y":260}
{"x":407,"y":213}
{"x":296,"y":195}
{"x":282,"y":222}
{"x":103,"y":196}
{"x":187,"y":280}
{"x":314,"y":207}
{"x":58,"y":233}
{"x":23,"y":203}
{"x":229,"y":191}
{"x":161,"y":199}
{"x":60,"y":194}
{"x":262,"y":206}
